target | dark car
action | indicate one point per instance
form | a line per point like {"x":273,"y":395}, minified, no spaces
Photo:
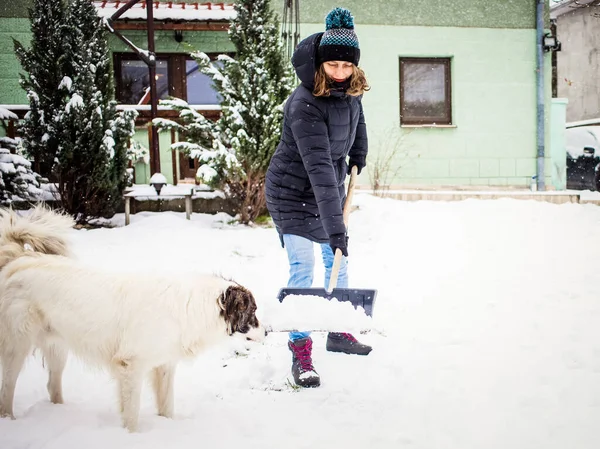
{"x":583,"y":158}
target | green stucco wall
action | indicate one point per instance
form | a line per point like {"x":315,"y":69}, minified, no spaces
{"x":14,"y":8}
{"x":492,"y":46}
{"x":206,"y":41}
{"x":494,"y":104}
{"x":460,"y":13}
{"x":11,"y":93}
{"x":10,"y":90}
{"x":455,"y":13}
{"x":142,"y":171}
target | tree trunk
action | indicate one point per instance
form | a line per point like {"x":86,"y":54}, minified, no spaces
{"x":251,"y":196}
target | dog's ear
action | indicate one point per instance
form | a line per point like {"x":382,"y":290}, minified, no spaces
{"x":238,"y":308}
{"x":221,"y":301}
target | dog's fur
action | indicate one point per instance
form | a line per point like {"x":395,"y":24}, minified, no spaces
{"x":131,"y":325}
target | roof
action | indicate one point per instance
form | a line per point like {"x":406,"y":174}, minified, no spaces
{"x":6,"y":114}
{"x":176,"y":11}
{"x":588,"y":122}
{"x":560,"y":7}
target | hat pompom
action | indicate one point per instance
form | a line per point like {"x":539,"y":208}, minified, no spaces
{"x":339,"y":41}
{"x":339,"y":18}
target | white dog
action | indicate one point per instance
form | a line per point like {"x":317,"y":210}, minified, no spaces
{"x":131,"y":325}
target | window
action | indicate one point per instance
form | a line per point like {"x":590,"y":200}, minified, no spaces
{"x":177,"y":75}
{"x":199,"y":86}
{"x":134,"y":82}
{"x":425,"y":94}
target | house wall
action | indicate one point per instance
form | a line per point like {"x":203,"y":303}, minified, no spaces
{"x":15,"y":9}
{"x":578,"y":63}
{"x":11,"y":92}
{"x":430,"y":13}
{"x":493,"y":56}
{"x":492,"y":46}
{"x":19,"y":29}
{"x":493,"y":142}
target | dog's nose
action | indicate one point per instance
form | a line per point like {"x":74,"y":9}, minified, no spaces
{"x":266,"y":332}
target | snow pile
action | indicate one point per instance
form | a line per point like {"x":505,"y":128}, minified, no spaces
{"x":490,"y":310}
{"x":306,"y":313}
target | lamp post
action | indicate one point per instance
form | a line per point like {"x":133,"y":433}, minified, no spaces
{"x":158,"y":181}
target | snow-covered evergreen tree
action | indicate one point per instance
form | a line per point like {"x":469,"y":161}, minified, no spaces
{"x":91,"y":157}
{"x":253,"y":86}
{"x":43,"y":66}
{"x":89,"y":139}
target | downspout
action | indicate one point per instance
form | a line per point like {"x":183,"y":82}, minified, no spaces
{"x":541,"y":182}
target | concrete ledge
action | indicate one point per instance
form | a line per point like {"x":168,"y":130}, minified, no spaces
{"x":587,"y":197}
{"x":459,"y":195}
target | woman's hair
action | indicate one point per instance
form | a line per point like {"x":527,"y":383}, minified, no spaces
{"x":358,"y":83}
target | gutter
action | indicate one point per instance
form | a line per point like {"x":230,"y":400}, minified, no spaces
{"x":541,"y":182}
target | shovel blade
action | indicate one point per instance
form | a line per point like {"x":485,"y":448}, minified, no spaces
{"x":364,"y":298}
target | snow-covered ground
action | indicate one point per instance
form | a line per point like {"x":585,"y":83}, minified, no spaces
{"x":487,"y":336}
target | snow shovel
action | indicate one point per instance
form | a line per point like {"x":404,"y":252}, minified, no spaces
{"x":364,"y":298}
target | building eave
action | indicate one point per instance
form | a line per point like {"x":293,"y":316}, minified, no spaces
{"x":566,"y":6}
{"x":169,"y":11}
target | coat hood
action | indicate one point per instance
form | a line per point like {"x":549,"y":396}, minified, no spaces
{"x":304,"y":59}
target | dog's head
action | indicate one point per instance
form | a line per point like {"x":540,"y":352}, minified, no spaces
{"x":238,"y":309}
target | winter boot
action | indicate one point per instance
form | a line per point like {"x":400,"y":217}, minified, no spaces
{"x":344,"y":342}
{"x":302,"y":367}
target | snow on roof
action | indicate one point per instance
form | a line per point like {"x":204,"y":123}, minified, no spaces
{"x":169,"y":10}
{"x":581,"y":137}
{"x":560,"y":7}
{"x":6,"y":114}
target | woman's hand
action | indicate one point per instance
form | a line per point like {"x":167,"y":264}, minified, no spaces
{"x":359,"y":162}
{"x":339,"y":241}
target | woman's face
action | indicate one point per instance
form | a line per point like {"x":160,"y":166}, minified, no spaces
{"x":338,"y":70}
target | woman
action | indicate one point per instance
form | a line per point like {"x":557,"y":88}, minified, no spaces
{"x":323,"y":125}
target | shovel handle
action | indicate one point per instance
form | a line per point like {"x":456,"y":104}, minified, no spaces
{"x":337,"y":260}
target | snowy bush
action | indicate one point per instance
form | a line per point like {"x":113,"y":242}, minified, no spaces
{"x":17,"y":181}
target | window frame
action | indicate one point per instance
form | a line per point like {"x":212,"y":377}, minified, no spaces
{"x":446,"y":120}
{"x":211,"y":56}
{"x":118,"y":58}
{"x":176,"y":62}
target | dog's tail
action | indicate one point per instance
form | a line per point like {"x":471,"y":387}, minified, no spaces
{"x":42,"y":231}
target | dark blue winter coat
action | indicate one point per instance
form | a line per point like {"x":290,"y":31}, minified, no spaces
{"x":305,"y":180}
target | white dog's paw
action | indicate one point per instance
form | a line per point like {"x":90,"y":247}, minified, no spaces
{"x":6,"y":414}
{"x":130,"y":425}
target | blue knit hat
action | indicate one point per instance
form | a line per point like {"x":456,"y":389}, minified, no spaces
{"x":339,"y":41}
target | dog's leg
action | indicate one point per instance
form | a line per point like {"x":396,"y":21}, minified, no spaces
{"x":12,"y":357}
{"x":163,"y":378}
{"x":56,"y":358}
{"x":130,"y":378}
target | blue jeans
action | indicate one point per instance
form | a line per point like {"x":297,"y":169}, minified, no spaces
{"x":301,"y":257}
